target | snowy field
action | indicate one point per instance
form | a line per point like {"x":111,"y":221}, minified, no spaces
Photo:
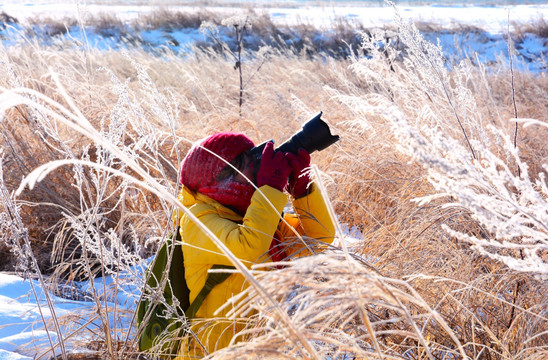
{"x":23,"y":303}
{"x":493,"y":19}
{"x":488,"y":42}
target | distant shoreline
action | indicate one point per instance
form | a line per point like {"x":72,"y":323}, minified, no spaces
{"x":321,"y":14}
{"x":334,"y":32}
{"x":296,"y":3}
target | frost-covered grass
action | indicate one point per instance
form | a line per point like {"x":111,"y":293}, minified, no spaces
{"x":333,"y":31}
{"x":447,"y":192}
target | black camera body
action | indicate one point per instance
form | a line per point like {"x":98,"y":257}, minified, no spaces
{"x":315,"y":135}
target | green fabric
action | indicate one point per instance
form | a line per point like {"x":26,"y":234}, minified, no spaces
{"x":212,"y":280}
{"x":152,"y":316}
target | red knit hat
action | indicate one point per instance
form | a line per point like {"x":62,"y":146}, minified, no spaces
{"x":200,"y":167}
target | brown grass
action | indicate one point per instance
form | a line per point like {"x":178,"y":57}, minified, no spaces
{"x":538,"y":27}
{"x":493,"y":312}
{"x":169,"y":19}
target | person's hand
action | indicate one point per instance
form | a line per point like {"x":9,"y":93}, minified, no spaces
{"x":299,"y":179}
{"x":274,"y":169}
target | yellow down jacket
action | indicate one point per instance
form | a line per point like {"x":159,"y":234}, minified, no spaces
{"x":249,"y":238}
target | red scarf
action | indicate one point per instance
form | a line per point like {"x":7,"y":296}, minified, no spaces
{"x":277,"y":250}
{"x":230,"y":193}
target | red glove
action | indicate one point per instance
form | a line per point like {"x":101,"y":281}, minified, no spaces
{"x":299,"y":179}
{"x":277,"y":251}
{"x":274,"y":169}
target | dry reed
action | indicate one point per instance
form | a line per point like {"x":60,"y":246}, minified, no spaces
{"x":421,"y":282}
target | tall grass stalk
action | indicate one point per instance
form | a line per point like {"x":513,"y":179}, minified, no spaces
{"x":442,"y":239}
{"x":79,"y":123}
{"x":14,"y":231}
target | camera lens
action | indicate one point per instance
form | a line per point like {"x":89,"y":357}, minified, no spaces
{"x":314,"y":136}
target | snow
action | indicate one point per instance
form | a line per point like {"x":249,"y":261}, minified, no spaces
{"x":19,"y":316}
{"x":490,"y":18}
{"x":22,"y":334}
{"x":8,"y":355}
{"x":488,"y":42}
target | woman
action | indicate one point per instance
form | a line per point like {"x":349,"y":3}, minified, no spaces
{"x":246,"y":220}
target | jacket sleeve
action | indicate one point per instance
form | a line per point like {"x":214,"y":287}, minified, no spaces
{"x":314,"y":224}
{"x":249,"y":241}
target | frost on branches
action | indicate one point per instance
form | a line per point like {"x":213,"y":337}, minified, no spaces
{"x":433,"y":115}
{"x":512,"y":208}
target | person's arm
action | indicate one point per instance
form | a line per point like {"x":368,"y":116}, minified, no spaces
{"x":250,"y":240}
{"x":311,"y":221}
{"x":314,"y":215}
{"x":247,"y":241}
{"x":309,"y":204}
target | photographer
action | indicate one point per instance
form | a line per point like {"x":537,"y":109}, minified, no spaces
{"x":246,"y":220}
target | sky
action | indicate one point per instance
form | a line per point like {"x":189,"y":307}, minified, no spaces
{"x":23,"y":303}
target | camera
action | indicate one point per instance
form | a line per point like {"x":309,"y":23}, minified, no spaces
{"x":315,"y":135}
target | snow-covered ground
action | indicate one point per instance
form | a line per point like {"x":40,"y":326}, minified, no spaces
{"x":493,"y":19}
{"x":23,"y":303}
{"x":489,"y":42}
{"x":24,"y":307}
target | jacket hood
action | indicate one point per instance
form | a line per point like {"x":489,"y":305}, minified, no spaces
{"x":191,"y":198}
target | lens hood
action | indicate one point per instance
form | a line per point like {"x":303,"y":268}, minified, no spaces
{"x":315,"y":135}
